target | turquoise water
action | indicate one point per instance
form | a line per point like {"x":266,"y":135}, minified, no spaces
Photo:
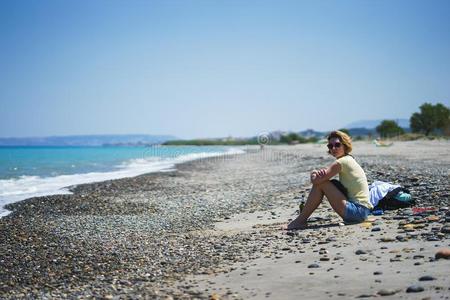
{"x":54,"y":161}
{"x":37,"y":171}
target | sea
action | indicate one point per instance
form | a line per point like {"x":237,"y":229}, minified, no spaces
{"x":28,"y":171}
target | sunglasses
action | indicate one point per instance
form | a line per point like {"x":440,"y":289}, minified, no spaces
{"x":336,"y":145}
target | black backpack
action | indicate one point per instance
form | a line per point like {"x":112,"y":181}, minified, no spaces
{"x":397,"y":198}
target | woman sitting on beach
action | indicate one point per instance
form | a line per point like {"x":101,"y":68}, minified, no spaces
{"x":349,"y":196}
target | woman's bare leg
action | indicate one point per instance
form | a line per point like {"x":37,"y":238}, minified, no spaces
{"x":334,"y":195}
{"x":314,"y":199}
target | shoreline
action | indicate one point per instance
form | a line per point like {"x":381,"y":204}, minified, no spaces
{"x":62,"y":184}
{"x":147,"y":235}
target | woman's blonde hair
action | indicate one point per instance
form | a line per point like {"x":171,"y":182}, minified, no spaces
{"x":344,"y":138}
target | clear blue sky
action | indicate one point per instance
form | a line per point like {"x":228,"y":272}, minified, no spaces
{"x":217,"y":68}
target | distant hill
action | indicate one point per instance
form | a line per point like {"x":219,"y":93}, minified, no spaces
{"x":371,"y":124}
{"x":361,"y":131}
{"x":87,"y":140}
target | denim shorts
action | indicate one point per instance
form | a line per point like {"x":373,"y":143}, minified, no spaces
{"x":355,"y":213}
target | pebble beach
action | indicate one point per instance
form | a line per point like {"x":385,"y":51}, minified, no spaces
{"x":211,"y":230}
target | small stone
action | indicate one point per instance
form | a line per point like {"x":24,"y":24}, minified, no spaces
{"x":419,"y":221}
{"x":386,"y":292}
{"x":313,"y":266}
{"x":324,"y":258}
{"x":365,"y":296}
{"x":413,"y":235}
{"x":420,"y":226}
{"x":400,"y":238}
{"x":427,"y":278}
{"x":408,"y":226}
{"x":214,"y":297}
{"x":359,"y":252}
{"x":445,"y":229}
{"x":433,"y":219}
{"x":414,"y":289}
{"x":376,"y":229}
{"x":387,"y":239}
{"x":377,"y":273}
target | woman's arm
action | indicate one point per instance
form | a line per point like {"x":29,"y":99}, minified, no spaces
{"x":322,"y":175}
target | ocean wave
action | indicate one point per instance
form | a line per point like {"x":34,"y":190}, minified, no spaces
{"x":24,"y":187}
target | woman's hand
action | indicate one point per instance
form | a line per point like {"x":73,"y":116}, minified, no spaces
{"x":322,"y":172}
{"x":322,"y":175}
{"x":317,"y":174}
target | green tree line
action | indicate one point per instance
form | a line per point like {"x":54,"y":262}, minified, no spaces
{"x":432,"y":119}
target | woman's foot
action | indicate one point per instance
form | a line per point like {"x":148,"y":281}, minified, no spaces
{"x":296,"y":224}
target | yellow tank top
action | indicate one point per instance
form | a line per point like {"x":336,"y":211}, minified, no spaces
{"x":352,"y":176}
